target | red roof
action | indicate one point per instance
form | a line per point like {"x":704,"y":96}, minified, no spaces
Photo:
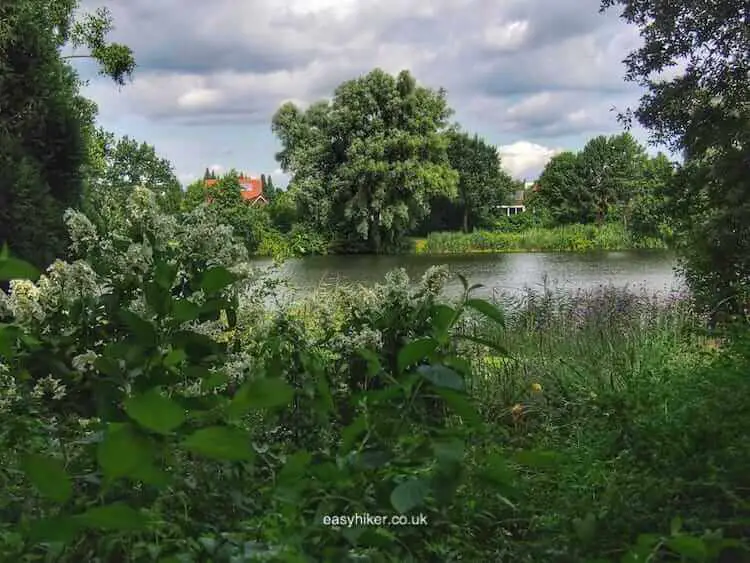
{"x":252,"y":188}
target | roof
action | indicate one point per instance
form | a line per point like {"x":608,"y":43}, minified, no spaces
{"x":252,"y":188}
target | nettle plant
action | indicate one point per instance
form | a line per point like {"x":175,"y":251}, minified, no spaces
{"x":151,"y":393}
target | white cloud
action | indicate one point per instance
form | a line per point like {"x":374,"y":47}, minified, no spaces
{"x":525,"y":160}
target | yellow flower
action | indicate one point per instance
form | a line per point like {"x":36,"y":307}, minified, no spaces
{"x":536,"y":387}
{"x":517,"y":409}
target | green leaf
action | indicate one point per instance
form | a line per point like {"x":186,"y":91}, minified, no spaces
{"x":416,"y":351}
{"x":675,"y":525}
{"x":165,"y":274}
{"x":216,"y":278}
{"x":373,"y":362}
{"x":409,"y":494}
{"x":210,"y":380}
{"x":266,"y":393}
{"x":155,"y":412}
{"x":9,"y":335}
{"x":442,"y":376}
{"x":122,"y":452}
{"x":295,"y":466}
{"x":350,"y":433}
{"x":689,"y":546}
{"x":537,"y":458}
{"x":142,"y":329}
{"x":585,"y":528}
{"x":486,"y":342}
{"x":15,"y":269}
{"x":175,"y":357}
{"x":220,"y":442}
{"x":113,"y":517}
{"x":185,"y":311}
{"x":49,"y":477}
{"x":461,"y":365}
{"x":57,"y":529}
{"x":488,"y":310}
{"x":442,"y":317}
{"x":449,"y":451}
{"x":460,"y":404}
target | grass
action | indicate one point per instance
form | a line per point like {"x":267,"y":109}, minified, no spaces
{"x":572,"y":238}
{"x":642,"y":411}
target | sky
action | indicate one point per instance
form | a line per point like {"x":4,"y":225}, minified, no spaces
{"x":533,"y":77}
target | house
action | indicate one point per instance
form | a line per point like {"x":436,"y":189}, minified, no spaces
{"x":252,"y":189}
{"x":516,"y":204}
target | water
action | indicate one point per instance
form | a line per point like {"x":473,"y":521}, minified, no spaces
{"x":652,"y":270}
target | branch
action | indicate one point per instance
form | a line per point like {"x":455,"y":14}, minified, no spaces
{"x":77,"y":57}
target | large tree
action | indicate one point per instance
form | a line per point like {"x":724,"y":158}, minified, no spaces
{"x":118,"y":166}
{"x":483,"y":186}
{"x":701,"y":111}
{"x":610,"y":169}
{"x":44,"y":122}
{"x":366,"y":164}
{"x":559,"y":191}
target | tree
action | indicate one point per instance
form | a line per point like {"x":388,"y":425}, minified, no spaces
{"x":44,"y":123}
{"x":367,"y":164}
{"x":122,"y":165}
{"x":610,"y":169}
{"x":702,"y":112}
{"x":648,"y":214}
{"x":483,"y":186}
{"x":560,"y":191}
{"x":270,"y":190}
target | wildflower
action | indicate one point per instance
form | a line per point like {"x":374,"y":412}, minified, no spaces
{"x":516,"y":411}
{"x":536,"y":387}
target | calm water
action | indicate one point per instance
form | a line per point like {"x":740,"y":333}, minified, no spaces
{"x":653,"y":270}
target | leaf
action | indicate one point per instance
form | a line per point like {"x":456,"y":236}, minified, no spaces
{"x":486,"y":342}
{"x":689,"y":546}
{"x":497,"y":470}
{"x":409,"y":494}
{"x":442,"y":376}
{"x":461,"y":405}
{"x":57,"y":529}
{"x":49,"y":477}
{"x":295,"y":466}
{"x":165,"y":274}
{"x":464,"y":282}
{"x":15,"y":269}
{"x":259,"y":394}
{"x":585,"y":528}
{"x":449,"y":451}
{"x":115,"y":516}
{"x":220,"y":442}
{"x":175,"y":357}
{"x":442,"y":318}
{"x":156,"y":412}
{"x":216,"y":278}
{"x":142,"y":329}
{"x":537,"y":458}
{"x":350,"y":433}
{"x":122,"y":452}
{"x":488,"y":310}
{"x":415,"y":351}
{"x":373,"y":362}
{"x":185,"y":311}
{"x":675,"y":525}
{"x":461,"y":365}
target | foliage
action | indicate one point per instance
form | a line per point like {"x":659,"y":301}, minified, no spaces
{"x":702,"y":112}
{"x":118,"y":166}
{"x":482,"y":186}
{"x":575,"y":238}
{"x":39,"y":99}
{"x":388,"y":158}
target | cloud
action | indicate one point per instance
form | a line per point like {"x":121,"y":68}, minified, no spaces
{"x":522,"y":71}
{"x":524,"y":160}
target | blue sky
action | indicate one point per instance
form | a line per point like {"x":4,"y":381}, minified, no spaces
{"x":531,"y":76}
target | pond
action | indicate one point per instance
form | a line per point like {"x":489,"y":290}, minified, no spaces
{"x":652,"y":270}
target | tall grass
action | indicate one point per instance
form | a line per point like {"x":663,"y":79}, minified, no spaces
{"x":638,"y":405}
{"x":577,"y":238}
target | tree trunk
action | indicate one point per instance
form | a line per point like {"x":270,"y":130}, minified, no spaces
{"x":466,"y":219}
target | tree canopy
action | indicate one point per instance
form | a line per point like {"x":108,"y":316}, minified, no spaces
{"x":39,"y":100}
{"x":367,"y":164}
{"x":703,"y":112}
